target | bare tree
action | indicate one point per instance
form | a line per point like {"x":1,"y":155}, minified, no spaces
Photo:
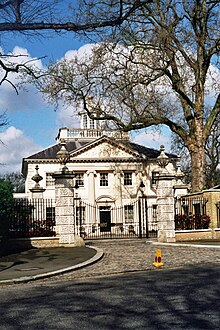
{"x":31,"y":18}
{"x":163,"y":66}
{"x":171,"y":43}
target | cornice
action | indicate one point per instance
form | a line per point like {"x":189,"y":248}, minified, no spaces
{"x":85,"y":160}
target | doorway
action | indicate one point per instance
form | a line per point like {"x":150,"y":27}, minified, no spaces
{"x":105,"y":218}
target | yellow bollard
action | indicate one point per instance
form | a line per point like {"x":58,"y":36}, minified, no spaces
{"x":158,"y":259}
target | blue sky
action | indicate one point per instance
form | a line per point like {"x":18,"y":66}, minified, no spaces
{"x":33,"y":123}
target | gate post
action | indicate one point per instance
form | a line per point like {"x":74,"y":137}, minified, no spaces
{"x":165,"y":208}
{"x":165,"y":201}
{"x":64,"y":211}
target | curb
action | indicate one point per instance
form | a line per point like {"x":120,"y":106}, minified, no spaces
{"x":212,"y":246}
{"x":99,"y":254}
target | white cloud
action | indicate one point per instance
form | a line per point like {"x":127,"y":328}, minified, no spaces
{"x":67,"y":116}
{"x":15,"y":145}
{"x":152,"y":139}
{"x":83,"y":52}
{"x":28,"y":97}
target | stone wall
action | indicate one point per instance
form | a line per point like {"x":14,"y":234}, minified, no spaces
{"x":18,"y":244}
{"x":196,"y":235}
{"x":211,"y":209}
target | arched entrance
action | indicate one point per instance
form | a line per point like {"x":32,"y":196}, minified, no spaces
{"x":105,"y":203}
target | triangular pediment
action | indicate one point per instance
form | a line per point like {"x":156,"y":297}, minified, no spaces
{"x":104,"y":149}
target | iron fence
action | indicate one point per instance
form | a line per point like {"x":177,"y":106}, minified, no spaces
{"x":32,"y":218}
{"x":190,"y":213}
{"x":105,"y":221}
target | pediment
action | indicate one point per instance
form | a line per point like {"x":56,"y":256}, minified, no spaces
{"x":104,"y":149}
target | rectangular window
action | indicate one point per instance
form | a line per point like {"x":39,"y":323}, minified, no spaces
{"x":128,"y":179}
{"x":153,"y":177}
{"x":154,"y":209}
{"x":79,"y":179}
{"x":129,"y":213}
{"x":80,"y":215}
{"x":50,"y":181}
{"x":103,"y":179}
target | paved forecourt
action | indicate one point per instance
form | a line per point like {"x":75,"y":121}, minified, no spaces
{"x":135,"y":255}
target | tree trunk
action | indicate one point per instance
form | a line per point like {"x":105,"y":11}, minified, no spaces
{"x":197,"y":153}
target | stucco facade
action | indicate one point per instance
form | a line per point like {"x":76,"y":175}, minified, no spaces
{"x":103,"y":167}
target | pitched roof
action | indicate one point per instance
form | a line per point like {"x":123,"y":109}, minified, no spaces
{"x":51,"y":152}
{"x":148,"y":152}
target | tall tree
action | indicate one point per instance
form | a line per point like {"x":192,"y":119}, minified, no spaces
{"x":157,"y":67}
{"x":212,"y":156}
{"x":171,"y":42}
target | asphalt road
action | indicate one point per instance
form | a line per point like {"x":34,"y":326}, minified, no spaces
{"x":181,"y":298}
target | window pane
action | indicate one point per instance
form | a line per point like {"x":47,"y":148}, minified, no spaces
{"x":85,"y":120}
{"x":154,"y":206}
{"x":103,"y":179}
{"x":50,"y":181}
{"x":92,"y":123}
{"x":79,"y":179}
{"x":128,"y":179}
{"x":129,"y":213}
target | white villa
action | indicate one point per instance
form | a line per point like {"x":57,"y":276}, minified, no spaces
{"x":108,"y":173}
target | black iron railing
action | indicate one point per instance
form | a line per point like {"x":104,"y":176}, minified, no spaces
{"x":107,"y":221}
{"x":190,"y":213}
{"x":32,"y":218}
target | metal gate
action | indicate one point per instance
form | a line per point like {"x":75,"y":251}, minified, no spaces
{"x":134,"y":220}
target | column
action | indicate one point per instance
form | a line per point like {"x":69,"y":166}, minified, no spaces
{"x":118,"y":187}
{"x":91,"y":194}
{"x":91,"y":186}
